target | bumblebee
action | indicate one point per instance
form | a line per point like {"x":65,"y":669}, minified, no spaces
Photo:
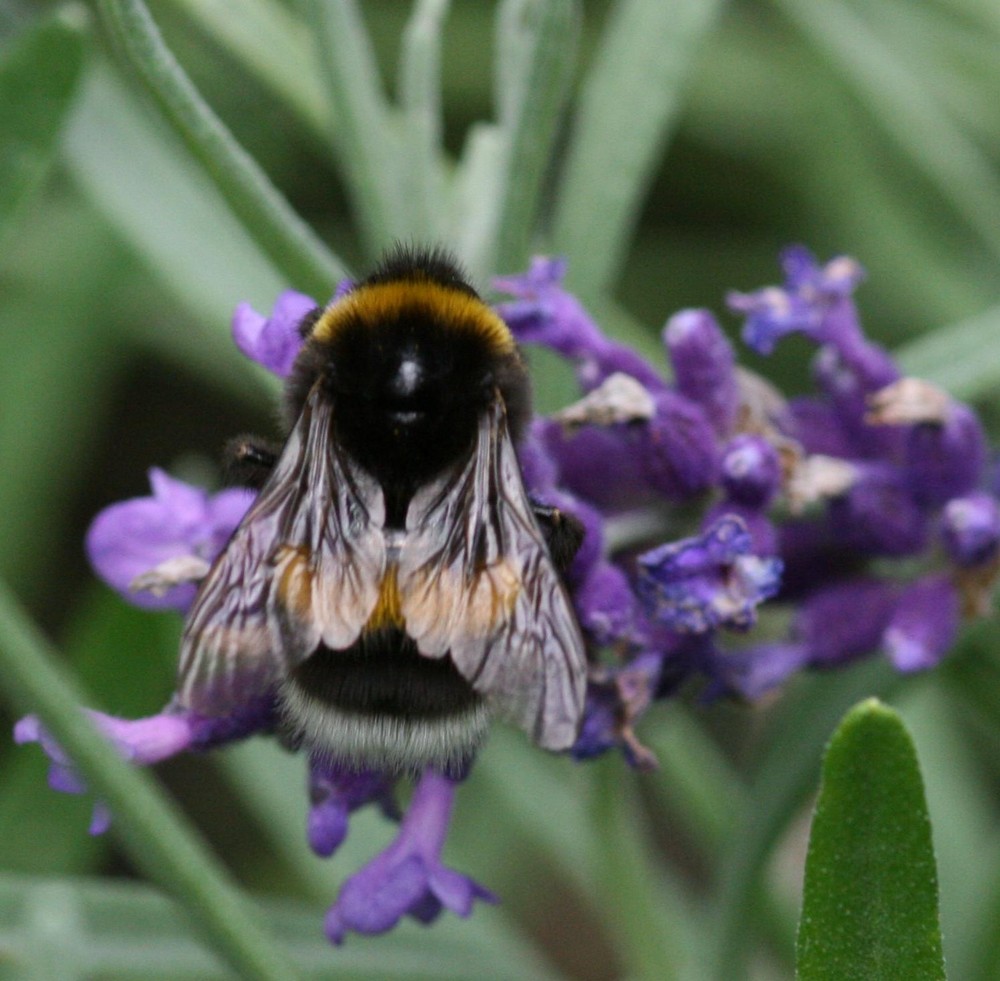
{"x":393,"y":586}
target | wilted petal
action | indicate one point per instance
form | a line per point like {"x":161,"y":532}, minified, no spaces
{"x":707,"y":581}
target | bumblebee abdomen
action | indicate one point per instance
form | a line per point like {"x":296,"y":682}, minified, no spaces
{"x":381,"y":704}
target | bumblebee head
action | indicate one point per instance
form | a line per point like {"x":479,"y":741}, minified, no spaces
{"x":411,"y":356}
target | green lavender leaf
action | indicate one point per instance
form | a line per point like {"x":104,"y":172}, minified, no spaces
{"x":870,"y":908}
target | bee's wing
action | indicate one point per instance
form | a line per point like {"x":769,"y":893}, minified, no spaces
{"x":476,"y":582}
{"x":305,"y":565}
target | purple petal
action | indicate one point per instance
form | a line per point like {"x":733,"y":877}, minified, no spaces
{"x":845,"y":621}
{"x":754,"y":671}
{"x":273,"y":341}
{"x":878,"y":515}
{"x":132,"y":537}
{"x":607,"y":607}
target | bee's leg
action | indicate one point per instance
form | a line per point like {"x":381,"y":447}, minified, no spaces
{"x":249,"y":461}
{"x":563,"y":533}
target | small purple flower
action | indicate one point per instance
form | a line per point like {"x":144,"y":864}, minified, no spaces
{"x":707,"y":581}
{"x":815,"y":300}
{"x":336,"y":792}
{"x":408,"y":877}
{"x":678,"y":448}
{"x":878,"y":515}
{"x":178,"y":522}
{"x":273,"y":341}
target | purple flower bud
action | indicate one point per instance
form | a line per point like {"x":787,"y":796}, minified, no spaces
{"x":707,"y":581}
{"x":678,"y":448}
{"x":849,"y":386}
{"x":273,"y":341}
{"x":704,"y":366}
{"x":878,"y":515}
{"x":408,"y":878}
{"x":970,"y":529}
{"x":763,"y":533}
{"x":607,"y":607}
{"x":845,"y":620}
{"x":539,"y":469}
{"x":751,"y":471}
{"x":946,"y":460}
{"x":602,"y":466}
{"x":132,"y":537}
{"x":334,"y":794}
{"x":924,"y":624}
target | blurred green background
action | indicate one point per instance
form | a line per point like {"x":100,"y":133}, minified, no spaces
{"x":870,"y":127}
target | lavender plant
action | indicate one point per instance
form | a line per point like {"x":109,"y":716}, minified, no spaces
{"x":739,"y":542}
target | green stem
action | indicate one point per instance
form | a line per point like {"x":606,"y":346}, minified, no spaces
{"x":149,"y":826}
{"x":267,"y":216}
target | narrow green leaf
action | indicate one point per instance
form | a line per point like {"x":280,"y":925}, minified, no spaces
{"x":423,"y":126}
{"x":151,"y":829}
{"x":630,"y":100}
{"x":535,"y":81}
{"x":185,"y":232}
{"x":267,"y":38}
{"x":870,"y":906}
{"x":780,"y":784}
{"x":113,"y":929}
{"x":958,"y":357}
{"x":907,"y":108}
{"x":281,"y":233}
{"x":38,"y":78}
{"x":650,"y":931}
{"x":365,"y":139}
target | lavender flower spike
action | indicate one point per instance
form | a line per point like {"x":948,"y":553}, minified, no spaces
{"x":408,"y":878}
